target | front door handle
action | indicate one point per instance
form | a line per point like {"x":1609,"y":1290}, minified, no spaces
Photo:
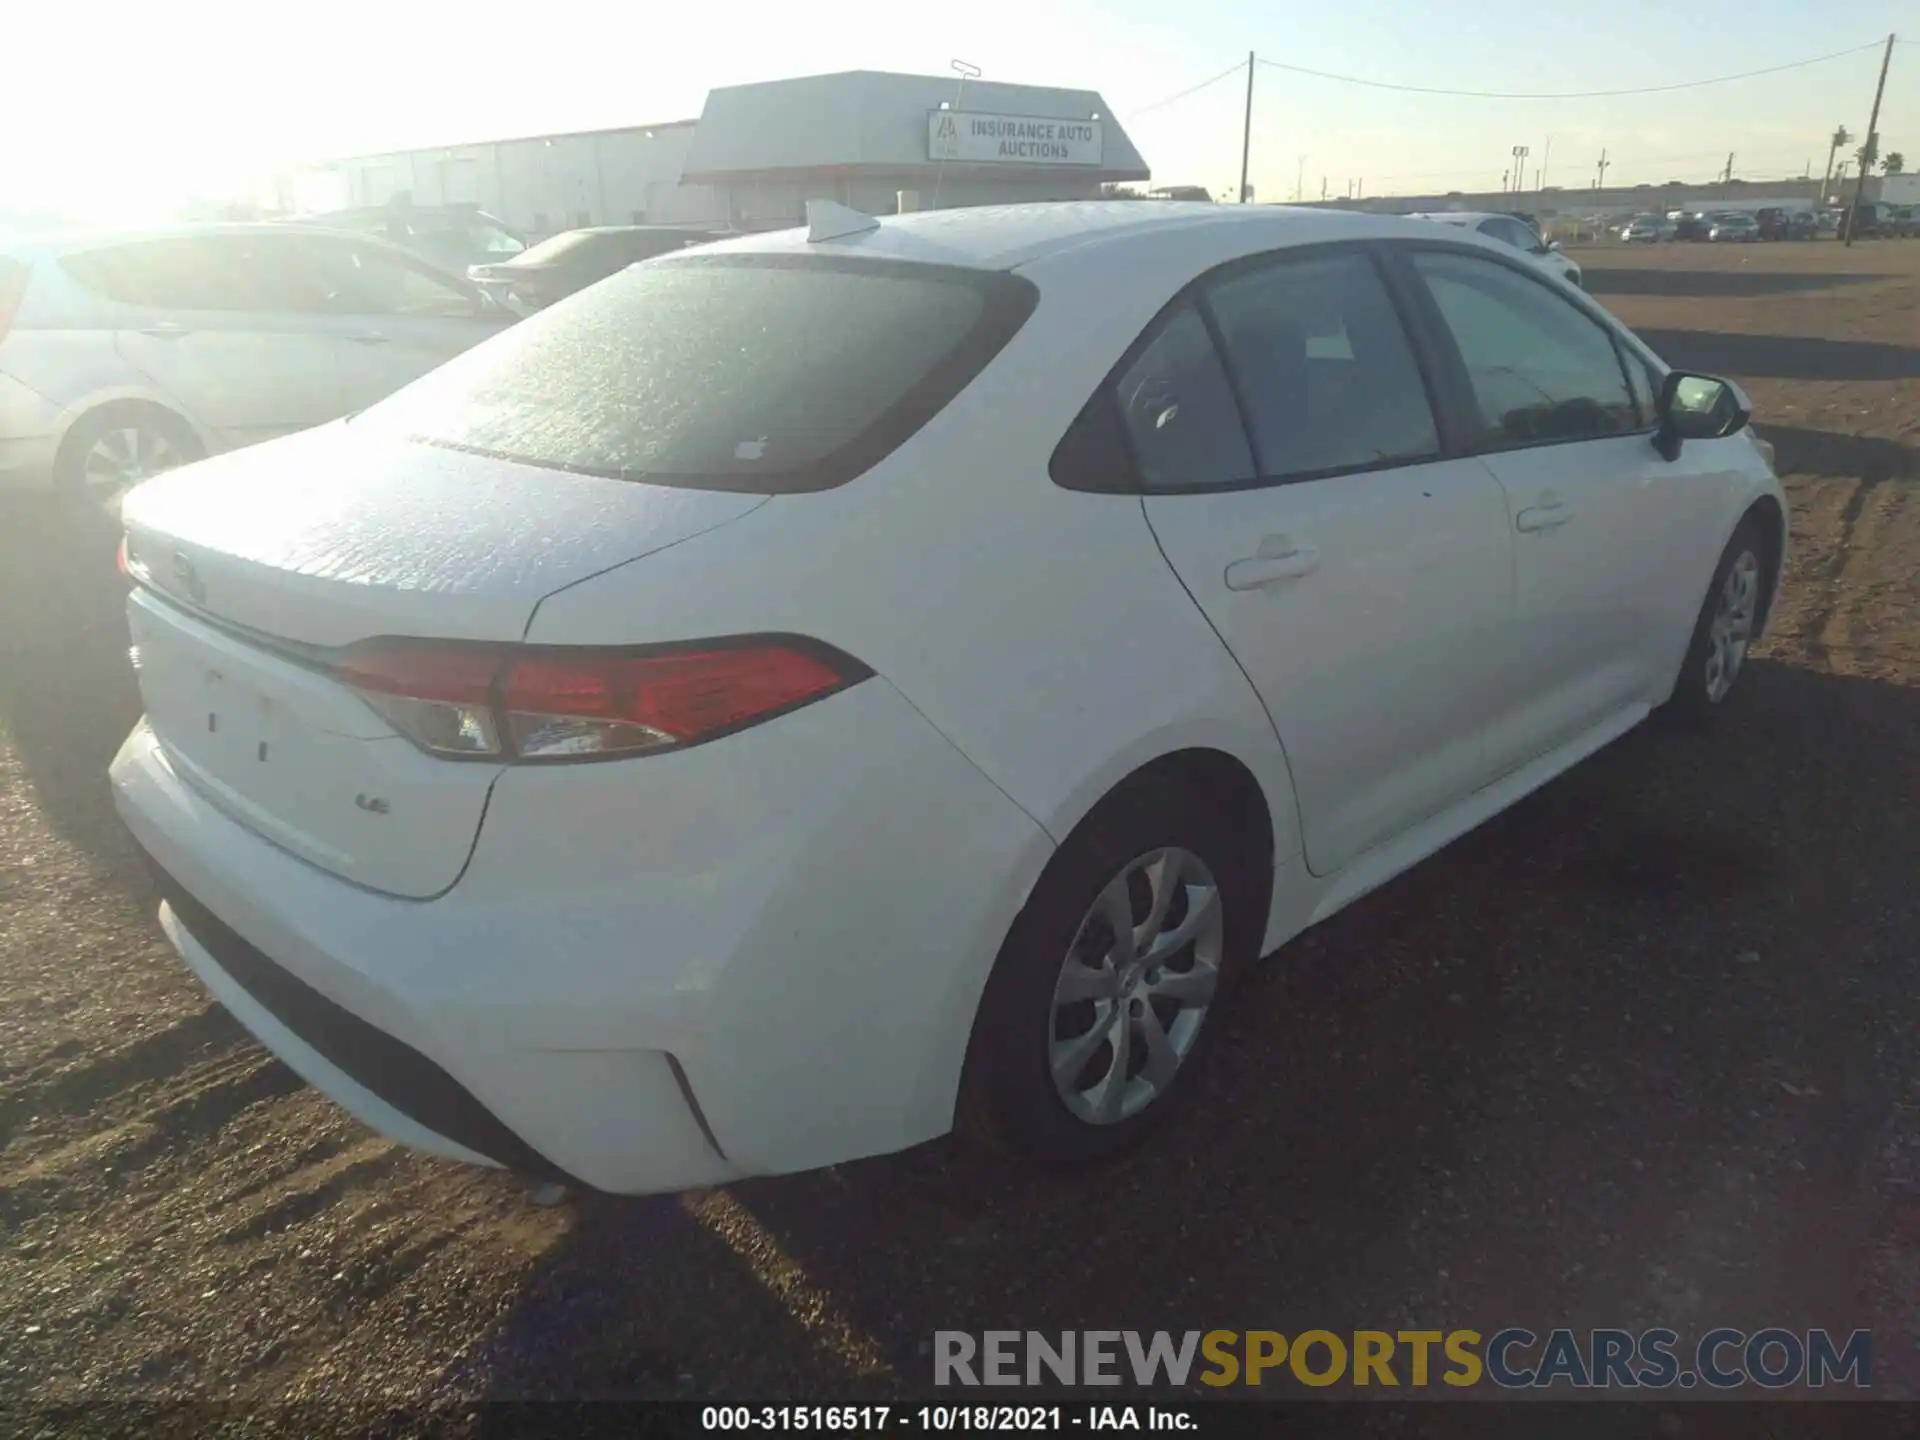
{"x":1542,"y":517}
{"x":369,"y":337}
{"x":164,"y":330}
{"x":1259,"y":570}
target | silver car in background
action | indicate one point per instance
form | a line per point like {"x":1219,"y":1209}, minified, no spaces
{"x":1734,"y":226}
{"x":125,"y":355}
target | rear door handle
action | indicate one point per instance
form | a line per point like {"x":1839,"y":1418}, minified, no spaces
{"x":1542,"y":517}
{"x":1259,"y":570}
{"x":369,"y":337}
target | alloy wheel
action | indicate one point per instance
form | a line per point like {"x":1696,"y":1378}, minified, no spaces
{"x":1136,"y":986}
{"x":1731,"y":628}
{"x":121,"y":459}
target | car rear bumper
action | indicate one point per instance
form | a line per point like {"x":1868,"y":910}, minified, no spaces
{"x":655,"y":974}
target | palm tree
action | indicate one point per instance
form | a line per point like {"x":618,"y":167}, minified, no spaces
{"x":1895,"y":163}
{"x":1840,"y":137}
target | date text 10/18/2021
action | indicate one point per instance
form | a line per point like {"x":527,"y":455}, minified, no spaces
{"x":939,"y":1419}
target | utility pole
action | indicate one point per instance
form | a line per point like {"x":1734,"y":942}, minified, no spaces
{"x":1872,"y":146}
{"x":1520,"y":153}
{"x":1726,"y":176}
{"x":1540,"y":181}
{"x":1246,"y":131}
{"x":1300,"y":181}
{"x":1601,"y":184}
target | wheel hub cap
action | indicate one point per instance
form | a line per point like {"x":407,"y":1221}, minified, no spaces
{"x":1136,"y":986}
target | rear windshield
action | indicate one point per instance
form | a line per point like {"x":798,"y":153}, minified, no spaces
{"x":768,"y":374}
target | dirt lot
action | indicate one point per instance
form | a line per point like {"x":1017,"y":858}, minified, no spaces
{"x":1644,"y":1050}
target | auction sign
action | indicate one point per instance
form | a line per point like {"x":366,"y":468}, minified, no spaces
{"x":971,"y":138}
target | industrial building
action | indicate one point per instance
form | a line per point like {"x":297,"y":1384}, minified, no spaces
{"x":757,"y":153}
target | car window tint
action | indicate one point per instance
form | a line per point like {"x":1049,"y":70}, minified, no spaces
{"x":1179,"y":410}
{"x":1542,"y":371}
{"x":366,"y":281}
{"x":1511,"y":232}
{"x":1324,"y":369}
{"x":492,"y":241}
{"x":233,"y":272}
{"x":751,"y":373}
{"x":1496,"y":230}
{"x":1644,"y":384}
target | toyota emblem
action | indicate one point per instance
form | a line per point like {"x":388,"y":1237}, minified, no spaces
{"x":189,"y":578}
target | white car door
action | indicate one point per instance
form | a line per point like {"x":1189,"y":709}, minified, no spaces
{"x":395,"y":317}
{"x":221,"y":330}
{"x":1605,"y":532}
{"x":1361,"y":578}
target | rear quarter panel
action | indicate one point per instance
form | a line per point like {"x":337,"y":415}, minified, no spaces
{"x":1039,"y":629}
{"x":61,"y":347}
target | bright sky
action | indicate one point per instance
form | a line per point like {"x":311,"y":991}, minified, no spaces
{"x":119,"y":109}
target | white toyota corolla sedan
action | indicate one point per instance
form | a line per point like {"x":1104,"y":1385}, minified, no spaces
{"x":711,"y":728}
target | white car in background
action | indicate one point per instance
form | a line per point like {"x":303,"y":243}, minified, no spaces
{"x":125,"y":355}
{"x":712,"y":727}
{"x":1517,"y":233}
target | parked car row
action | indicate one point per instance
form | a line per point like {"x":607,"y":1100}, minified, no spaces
{"x":1738,"y":226}
{"x":124,"y":355}
{"x":1516,"y":231}
{"x":556,"y":268}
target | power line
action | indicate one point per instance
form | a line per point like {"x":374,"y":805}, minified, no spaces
{"x":1233,"y":69}
{"x":1566,"y":94}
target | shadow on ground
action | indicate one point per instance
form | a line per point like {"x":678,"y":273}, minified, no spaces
{"x":1618,"y":1057}
{"x":1728,"y":284}
{"x":1799,"y":451}
{"x":67,"y":692}
{"x":1783,"y":357}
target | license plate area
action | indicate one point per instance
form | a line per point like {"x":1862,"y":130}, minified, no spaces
{"x":296,"y":756}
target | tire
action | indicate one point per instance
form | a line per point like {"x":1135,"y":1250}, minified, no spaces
{"x":1154,"y":837}
{"x":1732,"y":610}
{"x":116,"y":447}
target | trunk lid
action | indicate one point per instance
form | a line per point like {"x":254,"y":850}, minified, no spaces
{"x":254,"y":565}
{"x":327,"y":537}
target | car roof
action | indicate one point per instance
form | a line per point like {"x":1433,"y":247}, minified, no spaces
{"x":1005,"y":237}
{"x":64,"y":242}
{"x":52,"y":245}
{"x":690,"y":228}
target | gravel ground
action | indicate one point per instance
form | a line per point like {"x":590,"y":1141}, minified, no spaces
{"x":1643,"y":1050}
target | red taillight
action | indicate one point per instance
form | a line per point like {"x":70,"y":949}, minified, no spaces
{"x":120,"y":561}
{"x":539,"y":703}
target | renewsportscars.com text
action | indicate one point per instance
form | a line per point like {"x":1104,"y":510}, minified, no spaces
{"x":1512,"y":1358}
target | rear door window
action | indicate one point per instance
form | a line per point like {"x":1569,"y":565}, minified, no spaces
{"x":221,"y":272}
{"x":1179,"y":410}
{"x":761,"y":373}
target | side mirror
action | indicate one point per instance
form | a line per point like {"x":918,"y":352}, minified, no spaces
{"x":1553,"y":247}
{"x":1697,"y":407}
